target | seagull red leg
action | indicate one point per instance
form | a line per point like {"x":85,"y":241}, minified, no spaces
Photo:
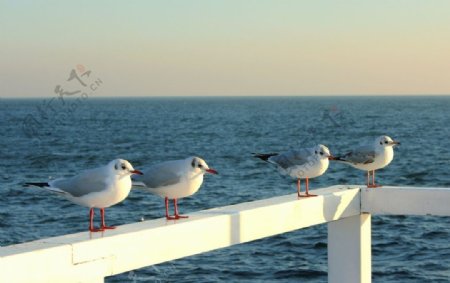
{"x":298,"y":188}
{"x":168,"y":217}
{"x":373,"y":180}
{"x":177,"y":215}
{"x":91,"y":219}
{"x":373,"y":185}
{"x":102,"y":214}
{"x":307,"y":189}
{"x":91,"y":222}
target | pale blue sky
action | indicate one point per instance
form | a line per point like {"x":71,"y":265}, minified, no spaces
{"x":158,"y":48}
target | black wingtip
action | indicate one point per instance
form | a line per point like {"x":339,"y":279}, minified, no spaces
{"x":264,"y":156}
{"x":37,"y":184}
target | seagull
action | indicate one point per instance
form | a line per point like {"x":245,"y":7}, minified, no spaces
{"x":304,"y":163}
{"x":371,"y":157}
{"x":96,"y":188}
{"x":173,"y":180}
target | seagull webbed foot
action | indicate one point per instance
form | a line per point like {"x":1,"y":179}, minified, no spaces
{"x":307,"y":196}
{"x":101,"y":229}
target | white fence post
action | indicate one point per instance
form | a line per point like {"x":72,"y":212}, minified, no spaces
{"x":349,"y":250}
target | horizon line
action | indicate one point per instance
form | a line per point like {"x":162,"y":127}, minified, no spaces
{"x":236,"y":96}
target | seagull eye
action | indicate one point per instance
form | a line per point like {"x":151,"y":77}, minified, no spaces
{"x":385,"y":142}
{"x":200,"y":166}
{"x":124,"y":167}
{"x":321,"y":153}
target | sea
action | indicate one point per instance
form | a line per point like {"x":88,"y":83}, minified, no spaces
{"x":47,"y":138}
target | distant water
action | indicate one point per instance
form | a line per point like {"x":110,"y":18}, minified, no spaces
{"x":41,"y":140}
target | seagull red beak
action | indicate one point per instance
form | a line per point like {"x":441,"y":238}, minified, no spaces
{"x":331,"y":157}
{"x":137,"y":172}
{"x":395,"y":142}
{"x":211,"y":171}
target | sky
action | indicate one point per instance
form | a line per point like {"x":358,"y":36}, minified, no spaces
{"x":221,"y":48}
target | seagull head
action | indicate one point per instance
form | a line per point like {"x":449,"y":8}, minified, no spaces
{"x":385,"y":141}
{"x":123,"y":168}
{"x":322,"y":152}
{"x":199,"y":165}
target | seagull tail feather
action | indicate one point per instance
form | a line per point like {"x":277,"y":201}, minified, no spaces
{"x":264,"y":156}
{"x":339,"y":159}
{"x":139,"y":184}
{"x":41,"y":185}
{"x":47,"y":187}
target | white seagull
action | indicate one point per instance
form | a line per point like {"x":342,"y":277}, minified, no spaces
{"x":173,"y":180}
{"x":96,"y":188}
{"x":371,"y":157}
{"x":299,"y":164}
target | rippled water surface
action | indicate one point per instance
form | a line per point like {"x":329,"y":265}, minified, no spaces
{"x":41,"y":141}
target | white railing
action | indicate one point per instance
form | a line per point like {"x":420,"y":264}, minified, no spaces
{"x":90,"y":257}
